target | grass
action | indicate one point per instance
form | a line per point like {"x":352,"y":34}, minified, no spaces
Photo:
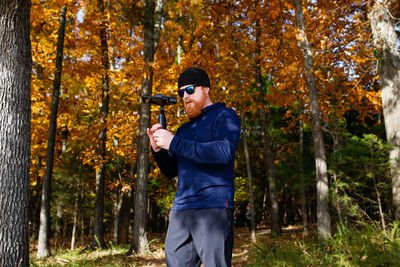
{"x":362,"y":246}
{"x":115,"y":256}
{"x":348,"y":247}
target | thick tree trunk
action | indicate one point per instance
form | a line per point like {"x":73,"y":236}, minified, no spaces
{"x":44,"y":228}
{"x":98,"y":225}
{"x":152,"y":26}
{"x":385,"y":40}
{"x":15,"y":131}
{"x":323,"y":215}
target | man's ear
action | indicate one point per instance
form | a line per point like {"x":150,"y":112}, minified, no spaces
{"x":207,"y":90}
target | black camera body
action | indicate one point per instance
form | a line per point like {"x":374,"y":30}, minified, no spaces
{"x":161,"y":100}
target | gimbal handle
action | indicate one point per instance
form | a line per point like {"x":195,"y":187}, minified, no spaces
{"x":161,"y":118}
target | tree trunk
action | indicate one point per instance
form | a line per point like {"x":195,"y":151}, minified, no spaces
{"x":59,"y":219}
{"x":249,"y":178}
{"x":247,"y":159}
{"x":15,"y":131}
{"x":76,"y":207}
{"x":117,"y":211}
{"x":152,"y":25}
{"x":44,"y":228}
{"x":74,"y":223}
{"x":385,"y":40}
{"x":35,"y":202}
{"x":275,"y":222}
{"x":302,"y":182}
{"x":323,"y":215}
{"x":245,"y":146}
{"x":336,"y":151}
{"x":98,"y":225}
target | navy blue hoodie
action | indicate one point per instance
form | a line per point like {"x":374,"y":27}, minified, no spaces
{"x":202,"y":154}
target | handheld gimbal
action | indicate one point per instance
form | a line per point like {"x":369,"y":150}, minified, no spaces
{"x":161,"y":100}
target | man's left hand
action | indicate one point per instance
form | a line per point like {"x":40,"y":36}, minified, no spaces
{"x":163,"y":138}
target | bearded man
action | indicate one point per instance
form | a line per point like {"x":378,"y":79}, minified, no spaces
{"x":201,"y":154}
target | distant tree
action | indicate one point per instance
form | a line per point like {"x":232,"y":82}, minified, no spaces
{"x":44,"y":228}
{"x":15,"y":131}
{"x":267,"y":145}
{"x":98,"y":225}
{"x":152,"y":27}
{"x":323,"y":215}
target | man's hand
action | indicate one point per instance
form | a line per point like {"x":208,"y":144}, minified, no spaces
{"x":159,"y":137}
{"x":162,"y":138}
{"x":150,"y":133}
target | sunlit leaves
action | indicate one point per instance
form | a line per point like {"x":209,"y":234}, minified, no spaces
{"x":218,"y":36}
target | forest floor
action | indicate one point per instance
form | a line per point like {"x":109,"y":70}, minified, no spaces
{"x":116,"y":256}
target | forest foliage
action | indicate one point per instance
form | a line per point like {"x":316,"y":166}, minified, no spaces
{"x":218,"y":36}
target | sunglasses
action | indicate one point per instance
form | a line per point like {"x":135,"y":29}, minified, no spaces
{"x":189,"y":90}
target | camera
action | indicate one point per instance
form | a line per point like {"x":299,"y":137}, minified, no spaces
{"x":161,"y":100}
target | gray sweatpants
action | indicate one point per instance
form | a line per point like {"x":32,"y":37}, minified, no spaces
{"x":196,"y":236}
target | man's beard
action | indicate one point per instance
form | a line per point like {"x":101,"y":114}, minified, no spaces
{"x":194,"y":108}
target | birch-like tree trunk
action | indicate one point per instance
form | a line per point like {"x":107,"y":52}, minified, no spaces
{"x":323,"y":215}
{"x":76,"y":208}
{"x":385,"y":40}
{"x":98,"y":225}
{"x":44,"y":227}
{"x":15,"y":131}
{"x":152,"y":27}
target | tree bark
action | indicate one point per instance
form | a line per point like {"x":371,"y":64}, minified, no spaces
{"x":302,"y":182}
{"x":385,"y":40}
{"x":15,"y":131}
{"x":44,"y":228}
{"x":76,"y":208}
{"x":275,"y":222}
{"x":323,"y":215}
{"x":74,"y":223}
{"x":249,"y":178}
{"x":245,"y":146}
{"x":98,"y":225}
{"x":152,"y":26}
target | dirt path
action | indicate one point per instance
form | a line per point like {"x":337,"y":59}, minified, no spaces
{"x":156,"y":258}
{"x":240,"y":255}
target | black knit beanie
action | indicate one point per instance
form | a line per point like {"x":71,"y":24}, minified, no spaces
{"x":195,"y":76}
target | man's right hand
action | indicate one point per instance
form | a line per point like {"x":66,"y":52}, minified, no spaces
{"x":150,"y":132}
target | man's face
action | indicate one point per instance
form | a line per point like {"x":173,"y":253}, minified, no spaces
{"x":194,"y":103}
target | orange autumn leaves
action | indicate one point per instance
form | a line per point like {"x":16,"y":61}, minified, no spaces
{"x":217,"y":35}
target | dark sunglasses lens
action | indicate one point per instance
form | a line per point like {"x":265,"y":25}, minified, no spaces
{"x":189,"y":90}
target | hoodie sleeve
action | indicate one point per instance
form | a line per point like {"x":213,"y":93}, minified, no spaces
{"x":166,"y":162}
{"x":220,"y":150}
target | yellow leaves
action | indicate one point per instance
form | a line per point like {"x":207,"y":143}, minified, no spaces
{"x":222,"y":42}
{"x":274,"y":13}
